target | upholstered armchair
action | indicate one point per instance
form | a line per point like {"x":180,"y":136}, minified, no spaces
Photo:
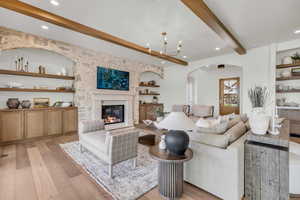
{"x":110,"y":148}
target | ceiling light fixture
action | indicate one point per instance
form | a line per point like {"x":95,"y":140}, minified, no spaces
{"x":163,"y":62}
{"x":44,"y":27}
{"x":297,"y":31}
{"x":218,"y":48}
{"x":54,"y":2}
{"x":164,"y":50}
{"x":184,"y":56}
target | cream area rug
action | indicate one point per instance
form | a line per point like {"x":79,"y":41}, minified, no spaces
{"x":128,"y":183}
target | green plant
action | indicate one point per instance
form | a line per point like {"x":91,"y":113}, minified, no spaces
{"x":296,"y":56}
{"x":159,"y":113}
{"x":258,"y":96}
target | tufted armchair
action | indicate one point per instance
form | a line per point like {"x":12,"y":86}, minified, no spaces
{"x":110,"y":148}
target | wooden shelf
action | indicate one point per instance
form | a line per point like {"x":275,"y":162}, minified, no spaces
{"x":288,"y":91}
{"x":149,"y":86}
{"x":288,"y":78}
{"x":34,"y":90}
{"x":287,"y":66}
{"x":149,"y":94}
{"x":16,"y":73}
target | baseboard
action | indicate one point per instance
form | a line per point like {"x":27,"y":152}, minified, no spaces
{"x":295,"y":135}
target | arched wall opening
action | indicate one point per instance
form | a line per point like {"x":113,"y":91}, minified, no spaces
{"x":203,"y":85}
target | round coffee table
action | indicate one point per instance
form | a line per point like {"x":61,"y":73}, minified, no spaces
{"x":170,"y":171}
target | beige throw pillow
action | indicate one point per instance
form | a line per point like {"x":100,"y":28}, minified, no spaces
{"x":217,"y":129}
{"x":207,"y":123}
{"x":234,"y":121}
{"x":236,"y":132}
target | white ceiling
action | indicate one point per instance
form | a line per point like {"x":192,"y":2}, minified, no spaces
{"x":255,"y":23}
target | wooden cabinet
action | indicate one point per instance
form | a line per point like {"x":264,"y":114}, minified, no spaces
{"x":11,"y":126}
{"x":54,"y":122}
{"x":294,"y":116}
{"x":70,"y":121}
{"x":16,"y":125}
{"x":148,"y":111}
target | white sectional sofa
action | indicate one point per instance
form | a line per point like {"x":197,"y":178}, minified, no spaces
{"x":218,"y":162}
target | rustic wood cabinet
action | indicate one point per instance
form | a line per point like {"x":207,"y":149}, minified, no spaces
{"x":21,"y":124}
{"x":11,"y":126}
{"x":267,"y":166}
{"x":148,"y":111}
{"x":293,"y":115}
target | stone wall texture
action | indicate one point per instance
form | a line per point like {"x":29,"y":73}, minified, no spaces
{"x":85,"y":66}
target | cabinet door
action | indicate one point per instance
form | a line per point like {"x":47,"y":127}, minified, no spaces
{"x":142,"y":113}
{"x":34,"y":124}
{"x":70,"y":121}
{"x":11,"y":126}
{"x":54,"y":122}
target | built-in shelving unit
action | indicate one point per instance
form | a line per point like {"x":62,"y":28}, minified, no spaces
{"x":17,"y":73}
{"x":155,"y":86}
{"x":156,"y":94}
{"x":282,"y":66}
{"x":35,"y":90}
{"x":288,"y":78}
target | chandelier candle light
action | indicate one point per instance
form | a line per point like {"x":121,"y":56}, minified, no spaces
{"x":164,"y":50}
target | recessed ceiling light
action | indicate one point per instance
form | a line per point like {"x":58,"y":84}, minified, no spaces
{"x":218,"y":48}
{"x":184,"y":56}
{"x":54,"y":2}
{"x":297,"y":31}
{"x":44,"y":27}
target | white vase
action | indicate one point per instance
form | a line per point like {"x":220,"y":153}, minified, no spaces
{"x":158,"y":119}
{"x":259,"y":121}
{"x":162,"y":144}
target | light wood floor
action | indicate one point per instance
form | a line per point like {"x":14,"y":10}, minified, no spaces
{"x":40,"y":170}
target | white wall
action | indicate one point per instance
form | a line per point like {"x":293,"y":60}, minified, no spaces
{"x":208,"y":84}
{"x":53,"y":63}
{"x":173,"y":86}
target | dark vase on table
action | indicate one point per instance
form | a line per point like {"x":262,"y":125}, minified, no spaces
{"x":177,"y":142}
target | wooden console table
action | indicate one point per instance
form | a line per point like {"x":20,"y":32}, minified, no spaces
{"x":267,"y":165}
{"x":170,"y":171}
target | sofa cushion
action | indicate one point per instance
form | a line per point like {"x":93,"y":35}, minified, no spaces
{"x":98,"y":139}
{"x":221,"y":141}
{"x":234,"y":121}
{"x":217,"y":129}
{"x":208,"y":123}
{"x":236,"y":131}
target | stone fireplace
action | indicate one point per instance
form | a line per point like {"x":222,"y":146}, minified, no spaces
{"x":113,"y":114}
{"x":116,"y":109}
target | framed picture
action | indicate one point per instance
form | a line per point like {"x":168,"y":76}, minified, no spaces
{"x":41,"y":102}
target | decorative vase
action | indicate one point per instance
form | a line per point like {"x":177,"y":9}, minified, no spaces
{"x":286,"y":73}
{"x":13,"y":103}
{"x":177,"y":142}
{"x":287,"y":60}
{"x":26,"y":104}
{"x":64,"y":71}
{"x":158,"y":119}
{"x":162,"y":144}
{"x":259,"y":121}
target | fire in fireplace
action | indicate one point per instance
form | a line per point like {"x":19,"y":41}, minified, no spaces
{"x":113,"y":114}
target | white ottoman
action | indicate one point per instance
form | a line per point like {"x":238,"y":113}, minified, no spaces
{"x":294,"y":168}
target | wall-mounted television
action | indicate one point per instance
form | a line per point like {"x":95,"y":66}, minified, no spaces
{"x":112,"y":79}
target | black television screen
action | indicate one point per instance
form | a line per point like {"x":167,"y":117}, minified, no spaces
{"x":112,"y":79}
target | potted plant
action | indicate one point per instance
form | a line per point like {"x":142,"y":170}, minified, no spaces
{"x":159,"y":115}
{"x":296,"y":57}
{"x":259,"y":121}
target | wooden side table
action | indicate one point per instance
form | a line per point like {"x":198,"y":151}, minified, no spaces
{"x":170,"y":171}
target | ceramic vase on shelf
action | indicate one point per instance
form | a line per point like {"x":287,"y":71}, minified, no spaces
{"x":13,"y":103}
{"x":25,"y":104}
{"x":259,"y":121}
{"x":162,"y":144}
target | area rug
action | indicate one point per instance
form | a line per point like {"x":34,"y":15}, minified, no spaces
{"x":128,"y":183}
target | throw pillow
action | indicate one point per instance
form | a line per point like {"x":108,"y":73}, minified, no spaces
{"x":217,"y":129}
{"x":236,"y":132}
{"x":234,"y":121}
{"x":206,"y":123}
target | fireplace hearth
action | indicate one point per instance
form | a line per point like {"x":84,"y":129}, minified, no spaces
{"x":113,"y":114}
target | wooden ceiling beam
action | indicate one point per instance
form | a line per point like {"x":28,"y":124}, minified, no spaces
{"x":29,"y":10}
{"x":208,"y":17}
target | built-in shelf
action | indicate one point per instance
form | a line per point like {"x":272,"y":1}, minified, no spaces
{"x":289,"y":91}
{"x":287,"y":66}
{"x":149,"y":94}
{"x":16,"y":73}
{"x":35,"y":90}
{"x":288,"y":78}
{"x":149,"y":86}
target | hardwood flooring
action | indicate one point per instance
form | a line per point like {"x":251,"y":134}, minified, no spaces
{"x":40,"y":170}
